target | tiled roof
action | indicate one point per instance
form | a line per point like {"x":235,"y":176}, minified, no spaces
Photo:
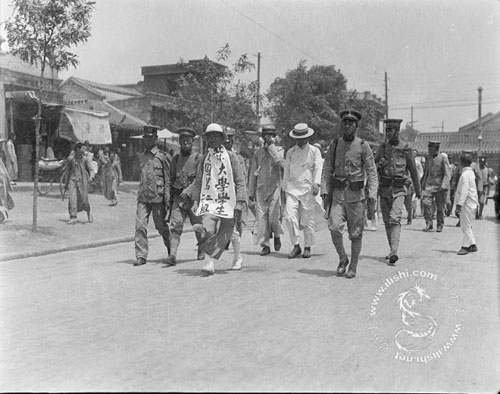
{"x":177,"y":68}
{"x":455,"y":142}
{"x":489,"y":122}
{"x":109,"y":92}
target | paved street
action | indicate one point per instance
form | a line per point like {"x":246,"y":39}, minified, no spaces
{"x":88,"y":320}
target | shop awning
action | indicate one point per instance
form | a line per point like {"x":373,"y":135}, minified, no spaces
{"x":79,"y":126}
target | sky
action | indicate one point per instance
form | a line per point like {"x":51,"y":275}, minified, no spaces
{"x":436,"y":53}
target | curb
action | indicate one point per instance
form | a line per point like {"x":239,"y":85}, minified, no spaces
{"x":88,"y":245}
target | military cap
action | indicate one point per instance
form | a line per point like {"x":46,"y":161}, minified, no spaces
{"x":434,"y":143}
{"x":393,"y":122}
{"x":268,"y":129}
{"x":482,"y":158}
{"x":350,"y":114}
{"x":466,"y":155}
{"x":301,"y":130}
{"x":230,"y":131}
{"x":214,"y":128}
{"x":186,"y":131}
{"x":150,"y":131}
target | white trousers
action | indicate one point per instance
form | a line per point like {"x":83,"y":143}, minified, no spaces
{"x":300,"y":216}
{"x":466,"y":216}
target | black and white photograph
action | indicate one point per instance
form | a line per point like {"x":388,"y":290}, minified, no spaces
{"x":250,"y":196}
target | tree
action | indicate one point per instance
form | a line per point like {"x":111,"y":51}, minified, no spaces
{"x":314,"y":96}
{"x":409,"y":134}
{"x":368,"y":126}
{"x":213,"y":92}
{"x":40,"y":33}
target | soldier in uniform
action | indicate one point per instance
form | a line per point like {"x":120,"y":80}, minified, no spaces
{"x":182,"y":175}
{"x":486,"y":181}
{"x":394,"y":162}
{"x":343,"y":189}
{"x":219,"y":193}
{"x":153,"y":194}
{"x":435,"y":183}
{"x":264,"y":188}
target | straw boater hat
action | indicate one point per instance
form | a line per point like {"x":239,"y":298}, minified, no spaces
{"x":301,"y":130}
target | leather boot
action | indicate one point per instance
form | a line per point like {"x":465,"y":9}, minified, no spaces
{"x":342,"y":267}
{"x":395,"y":232}
{"x":355,"y":251}
{"x":338,"y":242}
{"x":171,"y":260}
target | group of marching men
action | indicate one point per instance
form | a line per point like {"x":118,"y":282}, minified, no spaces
{"x":214,"y":190}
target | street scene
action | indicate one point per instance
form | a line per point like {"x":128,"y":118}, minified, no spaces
{"x":88,"y":320}
{"x":235,"y":196}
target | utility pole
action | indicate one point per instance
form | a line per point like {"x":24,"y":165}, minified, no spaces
{"x":411,"y":116}
{"x":439,"y":127}
{"x":386,"y":98}
{"x":258,"y":91}
{"x":480,"y":136}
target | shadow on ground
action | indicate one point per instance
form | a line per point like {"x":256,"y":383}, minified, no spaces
{"x":319,"y":272}
{"x":27,"y":228}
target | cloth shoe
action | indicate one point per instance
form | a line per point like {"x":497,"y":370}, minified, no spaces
{"x":277,"y":243}
{"x":237,"y":264}
{"x":265,"y":251}
{"x":140,"y":261}
{"x":463,"y":250}
{"x":473,"y":248}
{"x":71,"y":221}
{"x":439,"y":228}
{"x":209,"y":268}
{"x":171,"y":261}
{"x":307,"y":252}
{"x":295,"y":252}
{"x":428,"y":227}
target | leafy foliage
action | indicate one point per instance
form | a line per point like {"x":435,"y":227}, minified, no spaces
{"x":314,"y":96}
{"x":409,"y":134}
{"x":213,"y":92}
{"x":42,"y":31}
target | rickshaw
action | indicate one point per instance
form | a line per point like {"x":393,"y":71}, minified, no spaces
{"x":50,"y":174}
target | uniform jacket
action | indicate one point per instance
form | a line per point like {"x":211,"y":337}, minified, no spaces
{"x":354,"y":161}
{"x":396,"y":161}
{"x":183,"y":170}
{"x":436,"y":174}
{"x":154,"y":177}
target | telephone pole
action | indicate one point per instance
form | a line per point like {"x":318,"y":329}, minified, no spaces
{"x":480,"y":136}
{"x":386,"y":98}
{"x":258,"y":91}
